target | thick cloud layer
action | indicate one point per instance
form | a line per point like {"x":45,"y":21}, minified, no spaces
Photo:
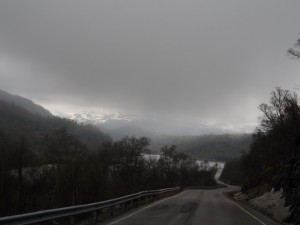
{"x":214,"y":60}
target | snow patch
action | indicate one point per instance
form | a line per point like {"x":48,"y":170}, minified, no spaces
{"x":272,"y":203}
{"x":240,"y":196}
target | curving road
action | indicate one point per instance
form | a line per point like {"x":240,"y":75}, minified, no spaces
{"x":194,"y":207}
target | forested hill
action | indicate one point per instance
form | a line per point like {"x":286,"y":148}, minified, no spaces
{"x":50,"y":162}
{"x":24,"y":103}
{"x":211,"y":147}
{"x":273,"y":162}
{"x":17,"y":122}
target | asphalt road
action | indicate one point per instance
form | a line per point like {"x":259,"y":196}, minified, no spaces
{"x":194,"y":207}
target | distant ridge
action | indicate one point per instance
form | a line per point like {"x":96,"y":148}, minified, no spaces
{"x":24,"y":103}
{"x":17,"y":122}
{"x":127,"y":130}
{"x":122,"y":124}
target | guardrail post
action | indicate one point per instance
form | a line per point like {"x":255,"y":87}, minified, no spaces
{"x":72,"y":220}
{"x":111,"y":210}
{"x":54,"y":222}
{"x":95,"y":216}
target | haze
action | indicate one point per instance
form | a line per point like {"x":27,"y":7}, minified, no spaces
{"x":186,"y":60}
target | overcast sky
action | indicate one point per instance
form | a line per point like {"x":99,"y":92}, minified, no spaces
{"x":209,"y":60}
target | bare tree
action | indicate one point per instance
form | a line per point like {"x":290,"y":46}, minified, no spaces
{"x":295,"y":52}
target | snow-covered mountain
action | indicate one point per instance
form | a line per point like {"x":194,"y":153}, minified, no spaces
{"x":121,"y":124}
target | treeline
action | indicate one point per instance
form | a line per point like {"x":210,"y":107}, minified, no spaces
{"x":76,"y":176}
{"x":208,"y":147}
{"x":274,"y":159}
{"x":233,"y":172}
{"x":273,"y":143}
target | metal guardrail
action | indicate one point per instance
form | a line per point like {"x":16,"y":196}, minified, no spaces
{"x":52,"y":214}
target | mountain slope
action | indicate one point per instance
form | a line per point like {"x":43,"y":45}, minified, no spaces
{"x":16,"y":122}
{"x":204,"y":141}
{"x":127,"y":130}
{"x":24,"y":103}
{"x":222,"y":147}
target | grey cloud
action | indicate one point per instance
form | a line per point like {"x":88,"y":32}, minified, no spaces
{"x":206,"y":59}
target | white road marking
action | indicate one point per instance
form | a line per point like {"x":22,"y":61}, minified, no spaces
{"x":123,"y":218}
{"x":250,"y":214}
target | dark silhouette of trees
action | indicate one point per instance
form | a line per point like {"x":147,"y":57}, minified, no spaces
{"x":233,"y":172}
{"x":68,"y":174}
{"x":273,"y":143}
{"x":295,"y":52}
{"x":21,"y":155}
{"x":61,"y":146}
{"x":49,"y":162}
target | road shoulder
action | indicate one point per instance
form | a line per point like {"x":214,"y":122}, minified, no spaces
{"x":254,"y":212}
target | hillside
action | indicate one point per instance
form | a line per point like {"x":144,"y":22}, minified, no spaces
{"x":24,"y":103}
{"x":211,"y":147}
{"x":127,"y":130}
{"x":16,"y":122}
